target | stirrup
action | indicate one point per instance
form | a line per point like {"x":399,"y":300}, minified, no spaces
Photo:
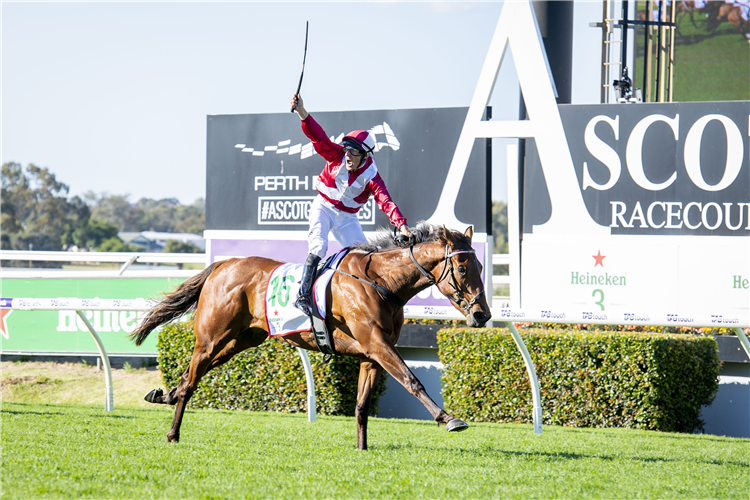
{"x":326,"y":359}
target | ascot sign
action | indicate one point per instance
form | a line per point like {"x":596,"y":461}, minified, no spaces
{"x":630,"y":210}
{"x":517,"y":28}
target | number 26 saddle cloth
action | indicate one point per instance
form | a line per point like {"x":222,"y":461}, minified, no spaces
{"x":281,"y":292}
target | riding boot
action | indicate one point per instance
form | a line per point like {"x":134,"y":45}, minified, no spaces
{"x":304,"y":299}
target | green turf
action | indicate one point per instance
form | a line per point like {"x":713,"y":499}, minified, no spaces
{"x":709,"y":65}
{"x":71,"y":451}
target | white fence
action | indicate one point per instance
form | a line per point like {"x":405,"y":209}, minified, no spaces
{"x":502,"y":314}
{"x":126,"y":258}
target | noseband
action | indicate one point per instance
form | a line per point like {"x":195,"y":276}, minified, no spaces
{"x":448,"y":271}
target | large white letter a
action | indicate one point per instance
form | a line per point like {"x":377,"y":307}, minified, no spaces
{"x":517,"y":27}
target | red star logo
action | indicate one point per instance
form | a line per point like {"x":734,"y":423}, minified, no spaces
{"x":599,"y":258}
{"x":4,"y":313}
{"x":276,"y":313}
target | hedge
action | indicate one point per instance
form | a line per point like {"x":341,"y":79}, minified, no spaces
{"x":587,"y":379}
{"x":266,"y":378}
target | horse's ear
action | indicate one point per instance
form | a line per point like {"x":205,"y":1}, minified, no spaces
{"x":447,"y":233}
{"x":469,"y":232}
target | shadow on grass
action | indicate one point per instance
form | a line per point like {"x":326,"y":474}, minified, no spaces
{"x":700,"y":438}
{"x":37,"y":413}
{"x":487,"y":451}
{"x":110,"y":415}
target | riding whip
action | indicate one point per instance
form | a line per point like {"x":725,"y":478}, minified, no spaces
{"x":307,"y":27}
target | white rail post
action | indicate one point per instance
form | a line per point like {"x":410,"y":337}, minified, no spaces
{"x":109,"y":396}
{"x":743,"y":340}
{"x":535,"y":394}
{"x":311,"y":410}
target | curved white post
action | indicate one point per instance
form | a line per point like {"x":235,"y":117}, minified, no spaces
{"x":311,"y":410}
{"x":109,"y":397}
{"x":535,"y":394}
{"x":743,"y":340}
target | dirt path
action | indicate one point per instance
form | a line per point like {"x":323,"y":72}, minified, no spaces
{"x":49,"y":383}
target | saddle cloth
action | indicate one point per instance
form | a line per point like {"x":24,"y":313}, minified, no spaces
{"x":282,"y":318}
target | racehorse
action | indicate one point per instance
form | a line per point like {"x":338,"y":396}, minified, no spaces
{"x":364,"y":319}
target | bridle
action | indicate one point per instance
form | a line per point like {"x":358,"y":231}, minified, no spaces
{"x":448,"y":271}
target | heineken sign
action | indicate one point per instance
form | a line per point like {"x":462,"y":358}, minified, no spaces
{"x":668,"y":186}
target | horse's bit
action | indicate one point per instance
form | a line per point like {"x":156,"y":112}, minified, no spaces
{"x":448,"y":270}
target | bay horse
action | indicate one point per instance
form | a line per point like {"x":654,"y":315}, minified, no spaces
{"x":228,"y":299}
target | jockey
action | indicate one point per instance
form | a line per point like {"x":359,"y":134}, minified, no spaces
{"x":341,"y":193}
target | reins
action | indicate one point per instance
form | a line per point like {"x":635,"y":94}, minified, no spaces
{"x":380,"y":288}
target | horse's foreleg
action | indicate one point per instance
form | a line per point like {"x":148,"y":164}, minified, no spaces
{"x":369,"y":373}
{"x":379,"y":350}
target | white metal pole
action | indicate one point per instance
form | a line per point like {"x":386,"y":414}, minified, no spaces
{"x":489,"y":271}
{"x":535,"y":394}
{"x":743,"y":340}
{"x":311,"y":410}
{"x":514,"y":231}
{"x":109,"y":397}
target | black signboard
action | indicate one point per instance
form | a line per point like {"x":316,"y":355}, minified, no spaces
{"x":261,"y":169}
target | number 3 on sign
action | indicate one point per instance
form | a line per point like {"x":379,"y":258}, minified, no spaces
{"x":600,"y":295}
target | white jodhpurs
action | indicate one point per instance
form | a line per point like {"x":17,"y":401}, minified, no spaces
{"x":324,"y":219}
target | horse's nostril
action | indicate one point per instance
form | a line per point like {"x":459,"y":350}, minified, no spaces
{"x":481,"y":317}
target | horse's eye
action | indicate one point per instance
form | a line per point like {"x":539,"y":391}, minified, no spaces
{"x":461,"y":270}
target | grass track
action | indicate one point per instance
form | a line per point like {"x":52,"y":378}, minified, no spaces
{"x":83,"y":452}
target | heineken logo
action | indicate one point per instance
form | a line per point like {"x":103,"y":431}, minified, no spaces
{"x":601,"y":279}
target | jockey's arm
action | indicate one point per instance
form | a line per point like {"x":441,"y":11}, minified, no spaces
{"x":321,"y":142}
{"x":386,"y":205}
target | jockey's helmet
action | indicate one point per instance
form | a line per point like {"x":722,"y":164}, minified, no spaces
{"x":361,"y":140}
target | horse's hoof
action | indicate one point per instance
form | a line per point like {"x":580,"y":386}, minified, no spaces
{"x":456,"y":425}
{"x":153,"y":394}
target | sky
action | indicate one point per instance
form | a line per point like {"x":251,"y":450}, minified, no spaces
{"x":113,"y":97}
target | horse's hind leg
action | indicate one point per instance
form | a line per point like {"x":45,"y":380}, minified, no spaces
{"x":199,"y":364}
{"x":369,"y":373}
{"x":251,"y":337}
{"x":204,"y":353}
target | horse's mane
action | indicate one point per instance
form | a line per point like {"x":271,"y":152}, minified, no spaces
{"x":383,"y":238}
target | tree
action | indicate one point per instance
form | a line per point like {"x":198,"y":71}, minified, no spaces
{"x":115,"y":244}
{"x":500,"y":226}
{"x":100,"y":231}
{"x":116,"y":210}
{"x":165,"y":215}
{"x":35,"y":209}
{"x":175,"y":246}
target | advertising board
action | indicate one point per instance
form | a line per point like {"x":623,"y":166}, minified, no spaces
{"x":63,"y":331}
{"x":668,"y":186}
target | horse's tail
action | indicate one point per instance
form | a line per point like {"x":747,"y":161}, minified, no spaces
{"x":173,"y":305}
